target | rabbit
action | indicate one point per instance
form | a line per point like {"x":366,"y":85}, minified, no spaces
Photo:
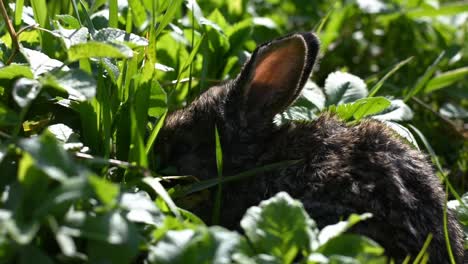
{"x":345,"y":169}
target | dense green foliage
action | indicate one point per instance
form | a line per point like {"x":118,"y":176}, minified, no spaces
{"x":85,"y":87}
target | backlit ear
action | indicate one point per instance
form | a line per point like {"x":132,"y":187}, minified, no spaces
{"x":276,"y":73}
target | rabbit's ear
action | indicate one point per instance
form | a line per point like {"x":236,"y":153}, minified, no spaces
{"x":274,"y":76}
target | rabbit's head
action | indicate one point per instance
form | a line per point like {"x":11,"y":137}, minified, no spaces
{"x":241,"y":109}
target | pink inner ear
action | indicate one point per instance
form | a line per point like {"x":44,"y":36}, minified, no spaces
{"x":278,"y":73}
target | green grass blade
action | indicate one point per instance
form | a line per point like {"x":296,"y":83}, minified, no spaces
{"x":190,"y":59}
{"x":446,"y":232}
{"x":199,"y":186}
{"x":448,"y":186}
{"x":77,"y":12}
{"x":425,"y":78}
{"x":334,"y":24}
{"x":139,"y":15}
{"x":395,"y":68}
{"x":171,"y":11}
{"x":318,"y":29}
{"x":423,"y":250}
{"x":128,"y":22}
{"x":444,"y":10}
{"x":40,"y":12}
{"x":137,"y":152}
{"x":435,"y":159}
{"x":219,"y":191}
{"x":113,"y":14}
{"x":446,"y":79}
{"x":87,"y":17}
{"x":159,"y":189}
{"x":18,"y":12}
{"x":155,"y":132}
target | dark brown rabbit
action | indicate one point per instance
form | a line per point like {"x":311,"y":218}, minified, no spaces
{"x":344,"y":169}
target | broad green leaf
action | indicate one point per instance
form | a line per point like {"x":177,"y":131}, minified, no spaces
{"x":172,"y":223}
{"x":202,"y":245}
{"x":7,"y":117}
{"x":373,"y":7}
{"x":117,"y":35}
{"x":68,"y":21}
{"x":93,"y":49}
{"x":106,"y":191}
{"x":403,"y":132}
{"x":3,"y":154}
{"x":49,"y":156}
{"x":335,"y":230}
{"x":111,"y":238}
{"x":352,"y":245}
{"x":371,"y":106}
{"x":295,"y":113}
{"x":451,"y":110}
{"x":65,"y":241}
{"x":30,"y":38}
{"x":257,"y":259}
{"x":317,"y":258}
{"x":13,"y":71}
{"x":265,"y":22}
{"x":62,"y":132}
{"x":460,"y":208}
{"x":314,"y":94}
{"x":397,"y":111}
{"x":361,"y":108}
{"x":25,"y":91}
{"x":141,"y":209}
{"x":21,"y":233}
{"x":79,"y":85}
{"x":279,"y":226}
{"x":40,"y":63}
{"x":34,"y":254}
{"x":216,"y":21}
{"x":72,"y":37}
{"x":342,"y":87}
{"x":446,"y":79}
{"x":60,"y":198}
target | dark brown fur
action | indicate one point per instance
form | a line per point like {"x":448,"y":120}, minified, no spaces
{"x":345,"y":169}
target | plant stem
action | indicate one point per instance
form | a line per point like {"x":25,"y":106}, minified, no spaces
{"x":11,"y":31}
